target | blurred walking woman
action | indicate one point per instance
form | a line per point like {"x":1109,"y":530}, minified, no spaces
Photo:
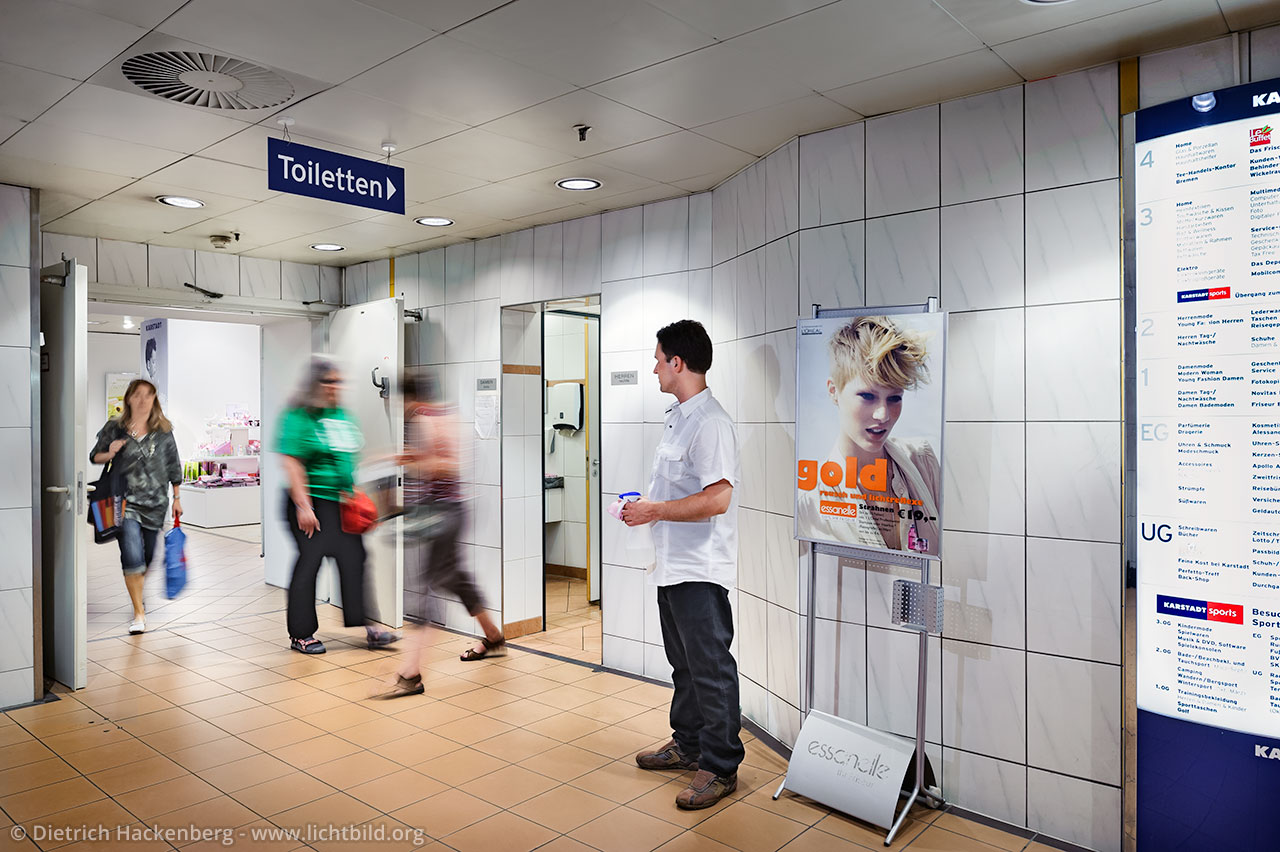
{"x":140,"y":443}
{"x":320,"y":444}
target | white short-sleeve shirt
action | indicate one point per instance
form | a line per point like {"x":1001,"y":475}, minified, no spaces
{"x":699,"y":447}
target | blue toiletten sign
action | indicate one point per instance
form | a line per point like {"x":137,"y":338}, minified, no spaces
{"x":317,"y":173}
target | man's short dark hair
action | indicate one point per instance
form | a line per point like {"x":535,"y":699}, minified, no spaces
{"x":152,"y":346}
{"x":689,"y":340}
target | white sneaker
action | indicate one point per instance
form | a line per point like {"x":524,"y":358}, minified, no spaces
{"x":138,"y":626}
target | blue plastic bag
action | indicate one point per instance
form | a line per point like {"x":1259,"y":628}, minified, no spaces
{"x":175,"y":560}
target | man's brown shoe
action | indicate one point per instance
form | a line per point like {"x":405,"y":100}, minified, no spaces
{"x":705,"y":790}
{"x":668,"y":757}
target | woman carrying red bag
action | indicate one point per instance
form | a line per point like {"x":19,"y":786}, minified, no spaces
{"x":320,"y":443}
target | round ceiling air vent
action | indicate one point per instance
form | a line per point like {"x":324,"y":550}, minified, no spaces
{"x":207,"y":80}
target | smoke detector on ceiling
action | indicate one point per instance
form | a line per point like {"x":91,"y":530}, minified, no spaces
{"x":220,"y":241}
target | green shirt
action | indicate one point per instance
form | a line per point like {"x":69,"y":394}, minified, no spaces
{"x":327,"y":442}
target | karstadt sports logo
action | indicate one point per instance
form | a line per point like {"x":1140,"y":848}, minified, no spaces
{"x":1260,"y":136}
{"x":1266,"y":752}
{"x":1266,"y":99}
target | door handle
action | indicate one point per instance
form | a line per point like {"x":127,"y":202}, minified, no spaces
{"x":58,"y":489}
{"x":383,"y":385}
{"x":91,"y":488}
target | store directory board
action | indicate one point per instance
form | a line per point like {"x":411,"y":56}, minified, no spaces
{"x":1207,"y":222}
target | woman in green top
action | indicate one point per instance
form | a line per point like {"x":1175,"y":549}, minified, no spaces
{"x":320,"y":443}
{"x":140,"y":443}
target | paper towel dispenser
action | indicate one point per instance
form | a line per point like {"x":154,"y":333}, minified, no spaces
{"x":564,"y":406}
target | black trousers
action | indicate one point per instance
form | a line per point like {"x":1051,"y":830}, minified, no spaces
{"x":706,"y":717}
{"x":346,"y":549}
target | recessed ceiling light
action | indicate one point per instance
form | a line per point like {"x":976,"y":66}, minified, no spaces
{"x":389,"y":146}
{"x":578,"y":184}
{"x":434,"y":221}
{"x":328,"y":247}
{"x":127,"y":322}
{"x":1046,"y":2}
{"x":180,"y":201}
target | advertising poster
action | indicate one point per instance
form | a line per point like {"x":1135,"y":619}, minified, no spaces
{"x":1207,"y":219}
{"x":155,"y":356}
{"x":117,"y":384}
{"x":869,"y":431}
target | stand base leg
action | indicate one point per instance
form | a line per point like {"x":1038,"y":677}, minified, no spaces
{"x":781,"y":787}
{"x":902,"y":817}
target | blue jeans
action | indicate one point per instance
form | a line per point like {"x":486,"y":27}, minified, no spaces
{"x":706,"y":718}
{"x":137,"y":546}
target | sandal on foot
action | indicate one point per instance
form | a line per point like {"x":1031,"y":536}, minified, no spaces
{"x":381,"y":639}
{"x":472,"y":654}
{"x":310,"y":645}
{"x":403,"y":686}
{"x":139,"y":625}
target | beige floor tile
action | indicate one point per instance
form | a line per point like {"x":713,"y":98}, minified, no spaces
{"x":934,"y":839}
{"x":334,"y":719}
{"x":626,"y":830}
{"x":749,"y":828}
{"x":307,"y":705}
{"x":509,"y":786}
{"x":566,"y":844}
{"x":315,"y":751}
{"x":50,"y":799}
{"x":789,"y":805}
{"x":336,"y":809}
{"x":281,"y":794}
{"x":379,"y":731}
{"x":564,"y":808}
{"x":691,"y":841}
{"x":978,"y":831}
{"x":482,"y":699}
{"x":522,"y":713}
{"x":192,"y":693}
{"x":568,"y":697}
{"x":444,"y":813}
{"x":355,"y":769}
{"x":214,"y":753}
{"x":504,"y":831}
{"x":865,"y":834}
{"x":135,"y":776}
{"x":430,"y":715}
{"x":222,"y":705}
{"x":527,"y":685}
{"x":174,"y":717}
{"x":661,"y":803}
{"x":14,"y":733}
{"x":565,"y":762}
{"x":245,"y":772}
{"x":32,"y":775}
{"x":396,"y":790}
{"x":615,"y":742}
{"x":472,"y":729}
{"x":219,"y":812}
{"x":459,"y":767}
{"x":416,"y":748}
{"x":61,"y":723}
{"x":281,"y":734}
{"x":566,"y":727}
{"x":607,"y":684}
{"x":184,"y":737}
{"x":110,"y":756}
{"x":382,"y":833}
{"x":23,"y":753}
{"x":517,"y":745}
{"x":167,"y":796}
{"x":104,"y":812}
{"x":620,"y":782}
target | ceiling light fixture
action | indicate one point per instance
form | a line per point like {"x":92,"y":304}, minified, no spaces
{"x":389,"y":146}
{"x":127,"y":322}
{"x":1046,"y":2}
{"x":434,"y":221}
{"x":180,"y":201}
{"x":328,"y":247}
{"x":1204,"y":102}
{"x":578,"y":184}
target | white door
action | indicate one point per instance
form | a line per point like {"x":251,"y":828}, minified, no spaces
{"x":64,"y":458}
{"x":368,"y":341}
{"x":593,"y":459}
{"x":286,"y":356}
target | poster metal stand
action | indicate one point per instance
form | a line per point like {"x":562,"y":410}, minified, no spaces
{"x":917,"y":606}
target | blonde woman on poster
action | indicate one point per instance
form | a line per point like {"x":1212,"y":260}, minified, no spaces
{"x":873,"y":490}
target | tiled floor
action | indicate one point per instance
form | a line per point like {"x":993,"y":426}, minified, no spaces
{"x":573,"y":622}
{"x":217,"y":725}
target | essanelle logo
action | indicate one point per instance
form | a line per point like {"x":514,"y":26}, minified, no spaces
{"x":1260,"y":136}
{"x":1202,"y":610}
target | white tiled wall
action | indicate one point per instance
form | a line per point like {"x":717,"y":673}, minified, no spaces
{"x":17,"y":676}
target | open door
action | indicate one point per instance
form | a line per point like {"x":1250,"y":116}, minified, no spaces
{"x":286,"y":354}
{"x":368,"y":341}
{"x":64,"y":329}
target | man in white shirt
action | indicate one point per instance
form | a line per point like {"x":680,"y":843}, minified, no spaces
{"x":694,"y":516}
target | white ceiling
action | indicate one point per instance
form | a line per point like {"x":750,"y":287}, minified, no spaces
{"x":481,"y":97}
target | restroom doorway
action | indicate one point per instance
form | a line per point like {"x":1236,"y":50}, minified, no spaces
{"x":551,"y":475}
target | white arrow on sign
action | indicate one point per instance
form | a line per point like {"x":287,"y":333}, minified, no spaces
{"x":391,"y":189}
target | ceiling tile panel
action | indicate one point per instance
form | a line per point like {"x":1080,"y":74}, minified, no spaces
{"x":9,"y":126}
{"x":1246,"y":14}
{"x":48,"y":176}
{"x":343,"y":116}
{"x":1129,"y":33}
{"x":141,"y":13}
{"x":675,"y":157}
{"x":854,"y":40}
{"x":998,"y":21}
{"x":330,"y":40}
{"x":714,"y":83}
{"x":138,"y":118}
{"x":615,"y":181}
{"x":138,"y":213}
{"x":269,"y":222}
{"x":25,"y":93}
{"x":56,"y":204}
{"x":202,"y":175}
{"x":499,"y":201}
{"x":423,"y":183}
{"x":623,"y":35}
{"x":551,"y":124}
{"x":762,"y":131}
{"x":249,"y":146}
{"x":61,"y":39}
{"x":64,"y":147}
{"x":481,"y":154}
{"x":439,"y":15}
{"x":144,"y":193}
{"x":971,"y":73}
{"x":725,"y":19}
{"x":448,"y":78}
{"x":348,"y":212}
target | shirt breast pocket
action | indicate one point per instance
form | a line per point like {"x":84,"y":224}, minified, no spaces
{"x":669,"y":463}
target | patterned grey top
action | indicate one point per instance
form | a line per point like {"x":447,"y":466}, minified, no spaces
{"x":151,"y":465}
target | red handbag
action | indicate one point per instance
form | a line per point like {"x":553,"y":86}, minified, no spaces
{"x":359,"y":513}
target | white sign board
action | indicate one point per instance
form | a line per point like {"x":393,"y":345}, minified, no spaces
{"x":869,"y":443}
{"x":854,"y":769}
